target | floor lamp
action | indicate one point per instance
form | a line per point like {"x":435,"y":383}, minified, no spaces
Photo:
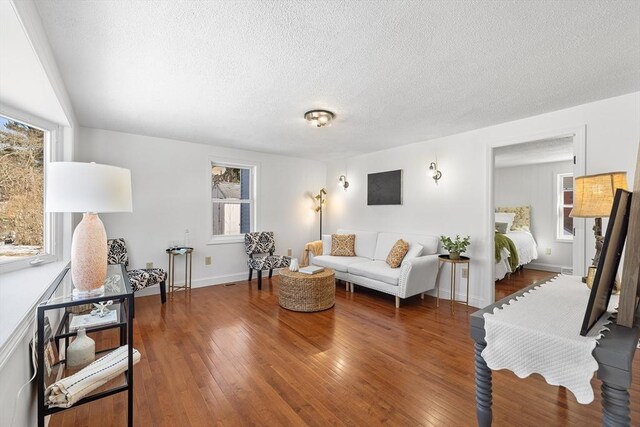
{"x":320,"y":197}
{"x":593,"y":198}
{"x":89,"y":188}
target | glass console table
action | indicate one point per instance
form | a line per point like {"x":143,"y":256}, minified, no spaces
{"x":54,"y":315}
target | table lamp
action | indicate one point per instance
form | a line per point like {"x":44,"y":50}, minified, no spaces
{"x":89,"y":188}
{"x":593,"y":198}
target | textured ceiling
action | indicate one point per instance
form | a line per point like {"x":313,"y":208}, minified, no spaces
{"x":531,"y":153}
{"x":242,"y":73}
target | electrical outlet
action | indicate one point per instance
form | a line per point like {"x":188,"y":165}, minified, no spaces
{"x":548,"y":251}
{"x":465,"y":273}
{"x":149,"y":265}
{"x":289,"y":252}
{"x":207,"y":260}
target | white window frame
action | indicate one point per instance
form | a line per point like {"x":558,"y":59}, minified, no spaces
{"x":52,"y":221}
{"x":560,"y":205}
{"x":230,"y":163}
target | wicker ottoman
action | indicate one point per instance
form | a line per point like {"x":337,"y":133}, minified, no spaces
{"x":307,"y":292}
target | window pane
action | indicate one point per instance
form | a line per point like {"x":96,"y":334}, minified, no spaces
{"x":567,"y":183}
{"x":568,"y":197}
{"x":230,"y":183}
{"x":21,"y":190}
{"x":231,"y":218}
{"x":567,"y":222}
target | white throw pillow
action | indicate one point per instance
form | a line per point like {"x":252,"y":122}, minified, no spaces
{"x":507,"y":217}
{"x":326,"y":244}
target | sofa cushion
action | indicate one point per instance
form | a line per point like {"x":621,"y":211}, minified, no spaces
{"x":387,"y":240}
{"x":365,"y":242}
{"x":338,"y":263}
{"x":376,"y":270}
{"x":397,"y":253}
{"x":326,"y":244}
{"x":343,"y":245}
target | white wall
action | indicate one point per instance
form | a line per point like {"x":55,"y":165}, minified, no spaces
{"x":32,"y":69}
{"x":462,"y":202}
{"x":171,"y":193}
{"x":536,"y":186}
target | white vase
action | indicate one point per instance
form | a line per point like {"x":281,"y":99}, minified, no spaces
{"x":82,"y":350}
{"x":293,"y":265}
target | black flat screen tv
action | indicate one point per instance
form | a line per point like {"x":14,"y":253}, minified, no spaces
{"x":384,"y":188}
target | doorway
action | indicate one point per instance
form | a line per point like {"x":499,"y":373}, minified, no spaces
{"x":532,"y":196}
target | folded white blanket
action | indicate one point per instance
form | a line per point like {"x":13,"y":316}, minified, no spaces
{"x":67,"y":391}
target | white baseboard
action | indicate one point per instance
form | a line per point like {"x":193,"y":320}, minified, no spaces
{"x":207,"y":281}
{"x":445,"y":296}
{"x":545,"y":267}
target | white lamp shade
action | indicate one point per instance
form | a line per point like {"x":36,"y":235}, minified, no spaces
{"x":87,"y":187}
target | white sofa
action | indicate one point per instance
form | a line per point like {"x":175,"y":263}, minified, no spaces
{"x":369,"y":268}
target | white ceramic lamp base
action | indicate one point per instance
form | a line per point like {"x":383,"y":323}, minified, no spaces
{"x":89,"y":257}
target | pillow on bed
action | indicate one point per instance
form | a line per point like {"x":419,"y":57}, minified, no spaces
{"x":522,"y":220}
{"x":502,"y":227}
{"x":507,"y":217}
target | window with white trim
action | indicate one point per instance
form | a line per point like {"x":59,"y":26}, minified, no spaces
{"x":232,"y":200}
{"x":27,"y":233}
{"x":564,"y":229}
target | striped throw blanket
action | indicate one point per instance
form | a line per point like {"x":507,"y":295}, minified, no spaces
{"x":67,"y":391}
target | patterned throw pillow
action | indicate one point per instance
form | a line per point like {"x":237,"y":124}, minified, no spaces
{"x":397,"y":253}
{"x":522,"y":221}
{"x":343,"y":244}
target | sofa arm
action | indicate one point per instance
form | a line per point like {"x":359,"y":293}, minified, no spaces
{"x":311,"y":249}
{"x":417,"y":275}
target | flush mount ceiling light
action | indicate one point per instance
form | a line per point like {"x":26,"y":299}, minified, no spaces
{"x":319,"y":118}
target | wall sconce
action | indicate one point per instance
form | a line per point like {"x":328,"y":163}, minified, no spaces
{"x":342,"y":182}
{"x":434,"y":172}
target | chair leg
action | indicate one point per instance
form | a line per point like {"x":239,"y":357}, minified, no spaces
{"x":259,"y":279}
{"x":270,"y":273}
{"x":163,"y":292}
{"x":250,"y":273}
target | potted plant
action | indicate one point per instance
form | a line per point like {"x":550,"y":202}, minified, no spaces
{"x":455,"y":246}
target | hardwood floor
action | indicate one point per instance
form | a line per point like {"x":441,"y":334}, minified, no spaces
{"x":229,"y":355}
{"x":520,"y":280}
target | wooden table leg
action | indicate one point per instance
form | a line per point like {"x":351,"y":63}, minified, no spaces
{"x":483,"y":388}
{"x":615,"y":406}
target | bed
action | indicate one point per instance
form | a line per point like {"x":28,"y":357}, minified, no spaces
{"x":514,"y":224}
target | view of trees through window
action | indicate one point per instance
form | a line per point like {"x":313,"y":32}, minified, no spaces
{"x":231,"y":198}
{"x":21,"y":190}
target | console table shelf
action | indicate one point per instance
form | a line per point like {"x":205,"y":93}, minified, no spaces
{"x":54,"y":307}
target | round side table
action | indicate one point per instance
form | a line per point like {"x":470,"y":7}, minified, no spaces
{"x":444,"y":259}
{"x":307,"y":292}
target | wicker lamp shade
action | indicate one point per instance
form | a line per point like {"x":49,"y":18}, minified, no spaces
{"x":593,"y":194}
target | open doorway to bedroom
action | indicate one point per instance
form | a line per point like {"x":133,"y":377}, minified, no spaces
{"x":535,"y":238}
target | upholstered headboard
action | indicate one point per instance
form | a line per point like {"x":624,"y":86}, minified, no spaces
{"x":522,"y":220}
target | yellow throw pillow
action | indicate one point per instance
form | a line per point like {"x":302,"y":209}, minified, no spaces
{"x":397,"y":253}
{"x":343,"y":244}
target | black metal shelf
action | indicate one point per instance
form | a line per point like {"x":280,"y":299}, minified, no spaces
{"x":58,"y":298}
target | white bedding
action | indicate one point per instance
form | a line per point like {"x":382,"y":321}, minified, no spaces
{"x":527,"y":251}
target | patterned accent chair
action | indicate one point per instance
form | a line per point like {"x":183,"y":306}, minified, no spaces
{"x":262,"y":242}
{"x":141,"y":278}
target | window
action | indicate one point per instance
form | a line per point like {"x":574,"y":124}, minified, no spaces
{"x":232,"y":201}
{"x":565,"y":204}
{"x":26,"y":232}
